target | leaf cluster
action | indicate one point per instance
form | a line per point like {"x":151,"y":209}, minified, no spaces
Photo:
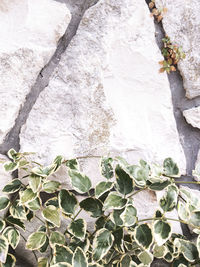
{"x":118,"y":237}
{"x":157,"y":13}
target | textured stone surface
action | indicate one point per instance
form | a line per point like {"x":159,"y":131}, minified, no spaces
{"x":181,"y":24}
{"x":30,"y":31}
{"x":106,"y":93}
{"x":192,"y":116}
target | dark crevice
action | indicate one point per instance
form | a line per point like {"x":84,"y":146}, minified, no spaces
{"x":77,"y":10}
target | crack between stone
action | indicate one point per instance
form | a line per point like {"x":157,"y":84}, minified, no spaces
{"x":12,"y":139}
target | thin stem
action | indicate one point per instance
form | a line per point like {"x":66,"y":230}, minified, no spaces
{"x":186,"y":182}
{"x":39,"y":219}
{"x":77,"y":214}
{"x":138,"y":191}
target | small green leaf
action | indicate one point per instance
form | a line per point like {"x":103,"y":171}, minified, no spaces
{"x":93,"y":206}
{"x":52,"y":201}
{"x":2,"y":225}
{"x":143,"y":235}
{"x":140,"y":174}
{"x":34,"y":182}
{"x":114,"y":200}
{"x":80,"y":182}
{"x":162,"y":232}
{"x":3,"y":248}
{"x":159,"y":251}
{"x":11,"y":166}
{"x":10,"y":261}
{"x":56,"y":238}
{"x":102,"y":243}
{"x":4,"y":202}
{"x":12,"y":187}
{"x":169,"y":201}
{"x":160,"y":185}
{"x":79,"y":258}
{"x":170,"y":167}
{"x":34,"y":204}
{"x":72,"y":164}
{"x":13,"y":154}
{"x":58,"y":162}
{"x":128,"y":216}
{"x":18,"y":211}
{"x":12,"y":235}
{"x":51,"y":214}
{"x":36,"y":240}
{"x":67,"y":202}
{"x":44,"y":171}
{"x":102,"y":187}
{"x":27,"y":196}
{"x":195,"y":218}
{"x":106,"y":168}
{"x":125,"y":261}
{"x":16,"y":222}
{"x":51,"y":186}
{"x":45,"y":246}
{"x":183,"y":212}
{"x":124,"y":183}
{"x":116,"y":217}
{"x":145,"y":257}
{"x":78,"y":228}
{"x":188,"y":249}
{"x":43,"y":262}
{"x":62,"y":254}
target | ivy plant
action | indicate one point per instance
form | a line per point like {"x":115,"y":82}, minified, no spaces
{"x":157,"y":13}
{"x":118,"y":237}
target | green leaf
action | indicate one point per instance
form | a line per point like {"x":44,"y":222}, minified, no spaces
{"x":35,"y":204}
{"x":43,"y":262}
{"x":18,"y":211}
{"x":195,"y":218}
{"x":140,"y":174}
{"x":102,"y":187}
{"x":145,"y":257}
{"x":12,"y":187}
{"x":79,"y":258}
{"x":169,"y":201}
{"x":170,"y":167}
{"x":80,"y":182}
{"x":102,"y":243}
{"x":56,"y":238}
{"x":51,"y":186}
{"x":143,"y":235}
{"x":2,"y":225}
{"x":16,"y":222}
{"x":162,"y":232}
{"x":183,"y":212}
{"x":3,"y":249}
{"x":160,"y":185}
{"x":34,"y":182}
{"x":125,"y":261}
{"x":4,"y":202}
{"x":62,"y":254}
{"x":124,"y":183}
{"x":106,"y":168}
{"x":93,"y":206}
{"x":52,"y":201}
{"x":128,"y":216}
{"x":187,"y":248}
{"x":36,"y":240}
{"x":159,"y":251}
{"x":27,"y":196}
{"x":78,"y":228}
{"x":44,"y":171}
{"x":114,"y":200}
{"x":10,"y":261}
{"x":45,"y":246}
{"x":58,"y":162}
{"x":67,"y":202}
{"x":72,"y":164}
{"x":51,"y":214}
{"x":13,"y":154}
{"x":12,"y":235}
{"x":11,"y":166}
{"x":116,"y":218}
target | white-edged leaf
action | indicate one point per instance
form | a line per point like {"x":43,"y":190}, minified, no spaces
{"x":12,"y":235}
{"x":145,"y":257}
{"x":51,"y":214}
{"x":162,"y":232}
{"x":80,"y":182}
{"x":12,"y":187}
{"x":3,"y":248}
{"x":102,"y":188}
{"x":4,"y":202}
{"x":114,"y":200}
{"x":36,"y":240}
{"x":128,"y":216}
{"x":67,"y":201}
{"x":143,"y":235}
{"x":78,"y":228}
{"x":56,"y":238}
{"x":79,"y":258}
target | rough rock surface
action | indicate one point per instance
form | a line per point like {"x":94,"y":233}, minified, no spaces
{"x":30,"y":31}
{"x":106,"y":95}
{"x":192,"y":116}
{"x":181,"y":23}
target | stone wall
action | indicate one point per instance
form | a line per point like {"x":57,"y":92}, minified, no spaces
{"x":81,"y":78}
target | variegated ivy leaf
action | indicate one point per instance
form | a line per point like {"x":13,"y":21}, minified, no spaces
{"x":106,"y":167}
{"x":51,"y":214}
{"x":52,"y":201}
{"x":102,"y":188}
{"x":170,"y":167}
{"x":160,"y":184}
{"x":2,"y":225}
{"x":18,"y":211}
{"x":51,"y":186}
{"x":43,"y":262}
{"x":27,"y":196}
{"x":102,"y":243}
{"x":10,"y":166}
{"x":44,"y":171}
{"x":4,"y":202}
{"x":12,"y":235}
{"x":140,"y":174}
{"x":84,"y":245}
{"x":67,"y":202}
{"x":80,"y":182}
{"x":143,"y":235}
{"x":45,"y":246}
{"x":118,"y":240}
{"x":93,"y":206}
{"x":56,"y":238}
{"x":195,"y":218}
{"x":78,"y":228}
{"x":162,"y":232}
{"x":125,"y":261}
{"x":159,"y":251}
{"x":34,"y":204}
{"x":34,"y":182}
{"x":62,"y":254}
{"x":114,"y":201}
{"x":187,"y":248}
{"x":3,"y":249}
{"x":16,"y":222}
{"x":180,"y":262}
{"x":12,"y":187}
{"x":116,"y":217}
{"x":13,"y":154}
{"x":72,"y":164}
{"x":183,"y":212}
{"x":124,"y":183}
{"x":145,"y":257}
{"x":79,"y":258}
{"x":36,"y":240}
{"x":58,"y":162}
{"x":128,"y":216}
{"x":169,"y":201}
{"x":10,"y":261}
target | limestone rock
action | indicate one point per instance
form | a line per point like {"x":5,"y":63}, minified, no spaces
{"x":181,"y":23}
{"x":29,"y":31}
{"x":106,"y":94}
{"x":192,"y":116}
